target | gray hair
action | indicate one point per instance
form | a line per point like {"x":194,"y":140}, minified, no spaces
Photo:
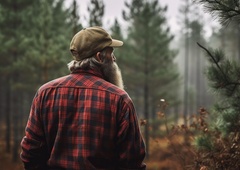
{"x":83,"y":64}
{"x":91,"y":62}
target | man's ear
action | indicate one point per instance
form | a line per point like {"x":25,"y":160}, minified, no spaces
{"x":98,"y":56}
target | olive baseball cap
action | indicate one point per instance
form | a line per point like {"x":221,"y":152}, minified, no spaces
{"x":89,"y":41}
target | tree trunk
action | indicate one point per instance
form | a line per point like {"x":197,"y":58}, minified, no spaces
{"x":198,"y":77}
{"x":1,"y":102}
{"x":75,"y":18}
{"x":16,"y":100}
{"x":146,"y":117}
{"x":8,"y":116}
{"x":146,"y":94}
{"x":185,"y":107}
{"x":239,"y":41}
{"x":15,"y":129}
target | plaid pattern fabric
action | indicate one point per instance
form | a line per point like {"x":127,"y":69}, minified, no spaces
{"x":82,"y":122}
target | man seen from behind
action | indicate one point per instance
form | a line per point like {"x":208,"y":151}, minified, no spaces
{"x":85,"y":120}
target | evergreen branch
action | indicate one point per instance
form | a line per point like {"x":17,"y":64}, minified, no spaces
{"x":226,"y":12}
{"x":227,"y":82}
{"x":227,"y":7}
{"x":234,"y":88}
{"x":210,"y":54}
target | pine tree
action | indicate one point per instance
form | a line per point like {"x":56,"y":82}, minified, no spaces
{"x":96,"y":12}
{"x":49,"y":40}
{"x":150,"y":58}
{"x":223,"y":74}
{"x":219,"y":147}
{"x":196,"y":67}
{"x":74,"y":15}
{"x":185,"y":10}
{"x":34,"y":37}
{"x":12,"y":35}
{"x":192,"y":31}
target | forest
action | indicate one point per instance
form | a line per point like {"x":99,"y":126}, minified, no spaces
{"x":185,"y":85}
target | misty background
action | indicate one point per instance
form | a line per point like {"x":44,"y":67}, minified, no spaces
{"x":160,"y":59}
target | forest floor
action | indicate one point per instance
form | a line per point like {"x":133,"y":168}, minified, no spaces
{"x":6,"y":160}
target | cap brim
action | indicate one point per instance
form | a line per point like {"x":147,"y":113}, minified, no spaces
{"x":116,"y":43}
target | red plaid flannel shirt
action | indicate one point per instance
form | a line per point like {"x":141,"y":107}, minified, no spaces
{"x":82,"y":122}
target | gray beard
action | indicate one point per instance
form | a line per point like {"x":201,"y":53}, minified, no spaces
{"x":113,"y":74}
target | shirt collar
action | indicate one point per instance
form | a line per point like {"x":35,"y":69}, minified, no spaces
{"x":90,"y":71}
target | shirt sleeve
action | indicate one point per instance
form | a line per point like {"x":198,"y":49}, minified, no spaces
{"x":130,"y":144}
{"x":33,"y":146}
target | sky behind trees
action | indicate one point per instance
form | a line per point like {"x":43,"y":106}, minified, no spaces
{"x":114,"y":10}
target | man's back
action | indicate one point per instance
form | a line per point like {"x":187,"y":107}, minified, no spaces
{"x":83,"y":122}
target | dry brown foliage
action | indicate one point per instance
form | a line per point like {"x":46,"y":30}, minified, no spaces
{"x":196,"y":146}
